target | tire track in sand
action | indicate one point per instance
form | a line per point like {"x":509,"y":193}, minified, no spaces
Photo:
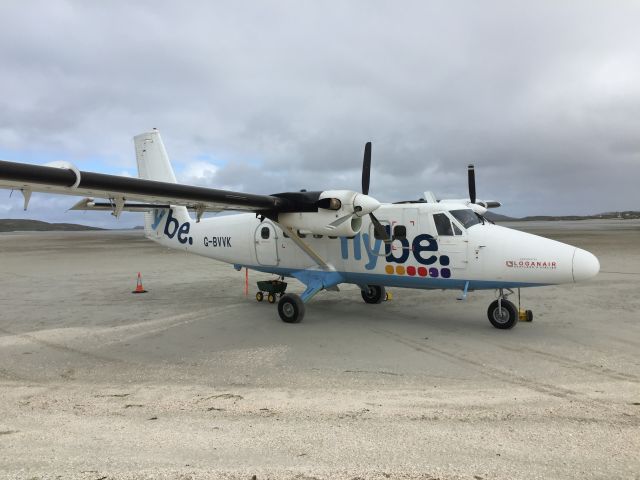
{"x":496,"y":373}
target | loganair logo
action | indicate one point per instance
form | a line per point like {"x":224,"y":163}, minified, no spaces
{"x":422,"y":250}
{"x":531,"y":263}
{"x":172,"y":227}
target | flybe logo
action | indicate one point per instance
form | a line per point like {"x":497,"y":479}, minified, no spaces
{"x":172,"y":227}
{"x":422,"y":251}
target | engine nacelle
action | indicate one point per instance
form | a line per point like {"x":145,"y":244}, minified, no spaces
{"x":319,"y":223}
{"x":336,"y":215}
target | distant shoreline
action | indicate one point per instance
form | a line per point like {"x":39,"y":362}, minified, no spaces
{"x":26,"y":225}
{"x":625,"y":215}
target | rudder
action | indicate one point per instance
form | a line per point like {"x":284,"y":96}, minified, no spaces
{"x":153,"y":164}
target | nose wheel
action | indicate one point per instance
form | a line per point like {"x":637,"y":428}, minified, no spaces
{"x":502,"y":314}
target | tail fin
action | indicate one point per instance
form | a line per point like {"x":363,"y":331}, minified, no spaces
{"x":154,"y":164}
{"x":153,"y":161}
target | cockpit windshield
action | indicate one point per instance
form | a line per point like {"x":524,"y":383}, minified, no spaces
{"x":466,"y":217}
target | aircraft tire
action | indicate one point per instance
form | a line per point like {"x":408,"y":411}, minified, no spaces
{"x":503,"y":320}
{"x":291,"y":308}
{"x":373,"y":294}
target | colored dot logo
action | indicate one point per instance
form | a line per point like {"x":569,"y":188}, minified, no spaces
{"x":412,"y":271}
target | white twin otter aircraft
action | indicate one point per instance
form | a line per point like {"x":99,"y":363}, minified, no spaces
{"x":324,"y":238}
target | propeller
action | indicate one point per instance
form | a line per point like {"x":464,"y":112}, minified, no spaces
{"x":366,"y":168}
{"x":471,"y":174}
{"x":381,"y":232}
{"x":363,"y":204}
{"x":479,"y":208}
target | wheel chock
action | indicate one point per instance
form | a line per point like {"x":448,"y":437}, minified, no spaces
{"x":525,"y":315}
{"x":388,"y":296}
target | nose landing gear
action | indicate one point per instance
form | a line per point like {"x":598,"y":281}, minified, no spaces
{"x":504,"y":315}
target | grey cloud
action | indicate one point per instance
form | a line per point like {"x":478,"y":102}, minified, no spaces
{"x":543,"y":97}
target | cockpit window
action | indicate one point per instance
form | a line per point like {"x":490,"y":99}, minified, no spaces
{"x":466,"y":217}
{"x":443,"y":224}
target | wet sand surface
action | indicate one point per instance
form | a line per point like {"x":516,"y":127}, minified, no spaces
{"x":195,"y":380}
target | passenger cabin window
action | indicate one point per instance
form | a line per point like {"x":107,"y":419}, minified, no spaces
{"x":317,"y":236}
{"x":443,"y":224}
{"x":399,"y":232}
{"x":264,"y":233}
{"x":466,"y":217}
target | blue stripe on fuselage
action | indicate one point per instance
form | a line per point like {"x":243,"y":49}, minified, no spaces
{"x":404,"y":281}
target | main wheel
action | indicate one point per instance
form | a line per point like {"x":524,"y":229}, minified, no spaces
{"x":505,"y":317}
{"x":271,"y":298}
{"x":373,"y":294}
{"x":259,"y":296}
{"x":291,"y":308}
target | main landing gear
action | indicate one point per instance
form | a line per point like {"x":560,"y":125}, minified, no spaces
{"x":291,"y":307}
{"x":504,"y":315}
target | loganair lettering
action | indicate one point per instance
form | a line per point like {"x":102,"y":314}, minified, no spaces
{"x":422,"y":250}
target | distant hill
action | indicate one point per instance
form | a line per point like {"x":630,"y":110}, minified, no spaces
{"x":496,"y":217}
{"x":19,"y":225}
{"x":626,"y":215}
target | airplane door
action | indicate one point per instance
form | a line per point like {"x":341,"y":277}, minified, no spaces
{"x":452,"y":240}
{"x":266,"y":241}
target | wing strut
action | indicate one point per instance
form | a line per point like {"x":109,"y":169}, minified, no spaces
{"x":306,"y":248}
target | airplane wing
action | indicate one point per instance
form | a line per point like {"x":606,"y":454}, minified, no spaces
{"x":67,"y":180}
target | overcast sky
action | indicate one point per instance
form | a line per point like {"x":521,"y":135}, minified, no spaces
{"x":544,"y":97}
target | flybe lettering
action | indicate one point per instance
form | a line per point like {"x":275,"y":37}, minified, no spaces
{"x":421,"y":244}
{"x":172,"y":228}
{"x":158,"y":215}
{"x":217,"y":242}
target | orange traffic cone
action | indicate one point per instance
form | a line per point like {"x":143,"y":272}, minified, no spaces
{"x":139,"y":287}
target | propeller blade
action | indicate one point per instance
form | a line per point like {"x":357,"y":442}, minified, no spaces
{"x":381,"y":232}
{"x":366,"y":168}
{"x":472,"y":183}
{"x":339,"y":221}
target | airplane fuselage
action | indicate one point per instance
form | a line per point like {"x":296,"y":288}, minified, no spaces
{"x":478,"y":256}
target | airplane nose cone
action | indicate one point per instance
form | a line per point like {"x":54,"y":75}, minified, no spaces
{"x":365,"y":204}
{"x":585,"y":265}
